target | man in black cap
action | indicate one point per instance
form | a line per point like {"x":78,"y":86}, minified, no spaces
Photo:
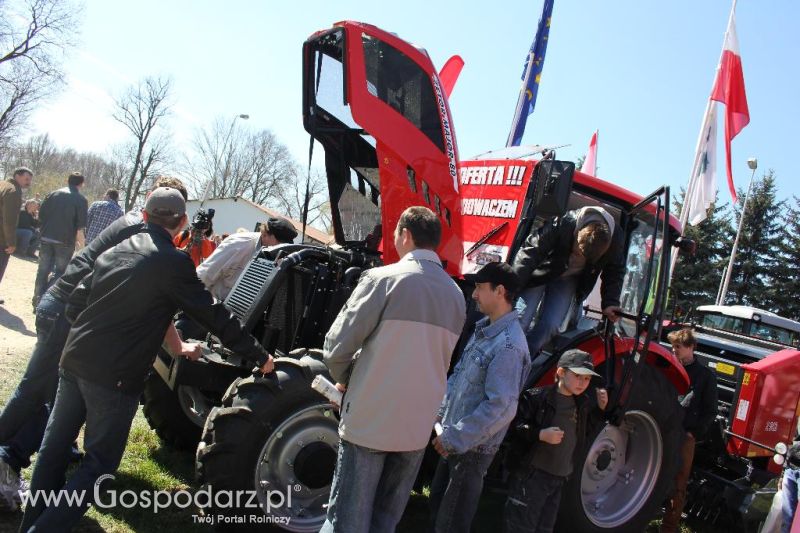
{"x":481,"y":399}
{"x":546,"y":436}
{"x":120,"y":313}
{"x":221,"y":269}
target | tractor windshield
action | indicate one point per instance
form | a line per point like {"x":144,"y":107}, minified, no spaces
{"x":647,"y":263}
{"x":635,"y":289}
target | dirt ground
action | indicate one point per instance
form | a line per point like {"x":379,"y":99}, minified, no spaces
{"x":17,"y":321}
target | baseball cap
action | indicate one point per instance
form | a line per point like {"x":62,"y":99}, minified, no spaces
{"x":497,"y":273}
{"x":578,"y":361}
{"x":165,"y":202}
{"x":282,"y":229}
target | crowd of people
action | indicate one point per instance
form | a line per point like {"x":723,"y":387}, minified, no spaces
{"x":102,"y":314}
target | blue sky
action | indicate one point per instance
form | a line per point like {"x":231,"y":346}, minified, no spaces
{"x":640,"y":71}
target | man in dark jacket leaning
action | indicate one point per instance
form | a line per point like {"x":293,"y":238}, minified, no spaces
{"x":127,"y":304}
{"x":561,"y":261}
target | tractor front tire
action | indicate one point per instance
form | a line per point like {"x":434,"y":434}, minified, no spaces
{"x":274,"y":441}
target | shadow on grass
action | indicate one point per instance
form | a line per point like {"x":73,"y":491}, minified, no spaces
{"x":144,"y":517}
{"x":14,"y":323}
{"x":488,"y":518}
{"x":11,"y":522}
{"x":179,"y":463}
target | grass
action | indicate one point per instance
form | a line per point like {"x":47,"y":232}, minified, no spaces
{"x":146,"y":466}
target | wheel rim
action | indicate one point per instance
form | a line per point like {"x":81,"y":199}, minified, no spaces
{"x":621,"y":470}
{"x":195,"y":405}
{"x":298,"y":462}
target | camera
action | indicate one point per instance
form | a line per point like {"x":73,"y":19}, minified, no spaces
{"x":202,"y":220}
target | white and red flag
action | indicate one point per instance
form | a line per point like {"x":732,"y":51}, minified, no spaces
{"x":590,"y":163}
{"x":729,"y":90}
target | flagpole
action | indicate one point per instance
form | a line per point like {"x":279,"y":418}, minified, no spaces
{"x":753,"y":164}
{"x":521,"y":100}
{"x":684,"y":217}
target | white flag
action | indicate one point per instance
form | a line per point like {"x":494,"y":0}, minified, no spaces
{"x":703,"y":186}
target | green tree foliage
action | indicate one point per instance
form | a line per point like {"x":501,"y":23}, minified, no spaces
{"x":759,"y":245}
{"x":785,"y":278}
{"x":697,"y":278}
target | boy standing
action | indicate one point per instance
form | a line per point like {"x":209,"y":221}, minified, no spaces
{"x":551,"y":425}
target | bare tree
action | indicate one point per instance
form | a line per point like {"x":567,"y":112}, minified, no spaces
{"x":233,"y":161}
{"x":34,"y":34}
{"x":293,"y":195}
{"x":51,"y":166}
{"x":217,"y":159}
{"x":273,"y":168}
{"x":142,"y":109}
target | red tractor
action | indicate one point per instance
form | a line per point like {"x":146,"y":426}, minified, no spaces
{"x":376,"y":105}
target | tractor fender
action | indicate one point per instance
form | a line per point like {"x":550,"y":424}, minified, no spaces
{"x":658,"y":357}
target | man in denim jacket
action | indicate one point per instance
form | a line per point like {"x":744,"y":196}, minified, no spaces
{"x":481,"y":399}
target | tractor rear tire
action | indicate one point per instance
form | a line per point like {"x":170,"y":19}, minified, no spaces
{"x":163,"y":411}
{"x":628,"y":470}
{"x":274,"y":440}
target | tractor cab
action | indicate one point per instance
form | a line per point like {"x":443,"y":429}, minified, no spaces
{"x":375,"y":104}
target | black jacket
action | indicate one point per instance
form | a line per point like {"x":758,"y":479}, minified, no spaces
{"x":537,"y":407}
{"x":700,"y":402}
{"x":82,"y":264}
{"x":26,"y":220}
{"x":130,"y":299}
{"x":545,"y":256}
{"x":62,"y":214}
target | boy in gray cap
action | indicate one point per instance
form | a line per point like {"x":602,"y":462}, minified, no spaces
{"x":120,"y":313}
{"x":547,"y":434}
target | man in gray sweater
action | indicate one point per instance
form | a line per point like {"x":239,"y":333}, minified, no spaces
{"x":390,"y":349}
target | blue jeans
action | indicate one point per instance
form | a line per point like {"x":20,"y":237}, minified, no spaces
{"x":370,"y":489}
{"x":456,"y":490}
{"x":27,"y":241}
{"x":791,"y":476}
{"x":108,"y":414}
{"x":555,"y":298}
{"x":533,"y":500}
{"x":54,"y":258}
{"x":24,"y":417}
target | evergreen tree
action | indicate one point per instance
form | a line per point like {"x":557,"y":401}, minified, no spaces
{"x":759,"y":245}
{"x":785,"y":276}
{"x":697,"y":278}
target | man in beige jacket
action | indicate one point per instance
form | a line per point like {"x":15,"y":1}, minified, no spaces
{"x":390,"y":349}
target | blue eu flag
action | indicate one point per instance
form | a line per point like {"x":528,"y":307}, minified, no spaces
{"x":531,"y":75}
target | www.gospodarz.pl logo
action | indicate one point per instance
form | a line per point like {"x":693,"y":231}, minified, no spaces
{"x":276,"y":502}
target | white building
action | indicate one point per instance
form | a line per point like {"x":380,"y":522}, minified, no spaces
{"x":234,"y":213}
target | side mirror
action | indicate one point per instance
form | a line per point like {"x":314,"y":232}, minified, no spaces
{"x":552,"y":185}
{"x":686,"y":246}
